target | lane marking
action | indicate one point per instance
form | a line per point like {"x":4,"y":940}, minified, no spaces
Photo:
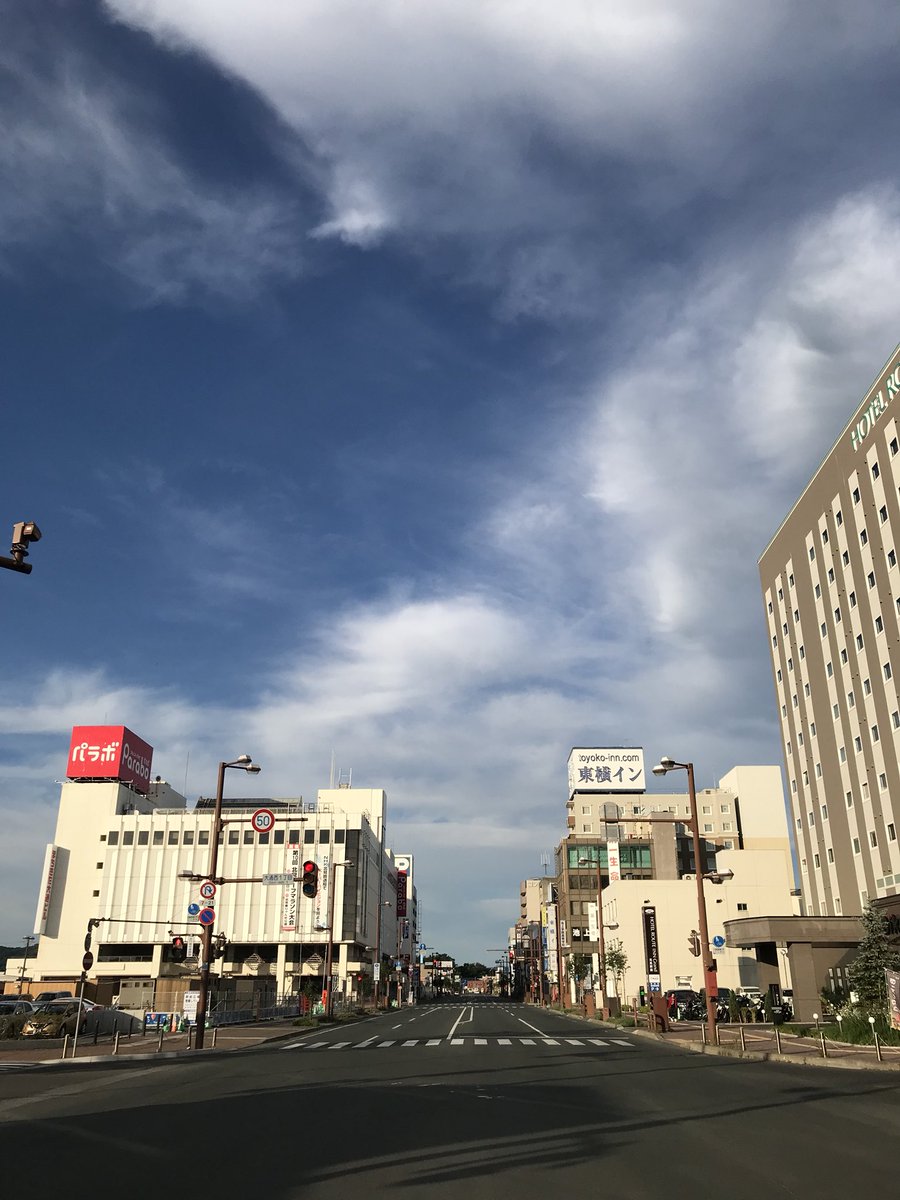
{"x":382,"y":1045}
{"x":574,"y":1042}
{"x":433,"y":1042}
{"x":314,"y":1045}
{"x":504,"y":1042}
{"x":534,"y":1027}
{"x":622,"y":1042}
{"x":480,"y":1041}
{"x":459,"y":1020}
{"x":338,"y":1045}
{"x":526,"y":1041}
{"x":597,"y":1042}
{"x":458,"y":1042}
{"x":412,"y":1042}
{"x":361,"y":1045}
{"x":550,"y":1042}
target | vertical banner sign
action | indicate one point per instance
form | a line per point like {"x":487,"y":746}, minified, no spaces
{"x":651,"y":947}
{"x":612,"y":858}
{"x":552,"y":943}
{"x":325,"y":883}
{"x":289,"y":896}
{"x":892,"y":978}
{"x":593,"y":927}
{"x":46,"y":893}
{"x":401,"y":893}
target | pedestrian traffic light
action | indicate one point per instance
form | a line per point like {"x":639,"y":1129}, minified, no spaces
{"x":642,"y":995}
{"x":694,"y":943}
{"x":310,"y":883}
{"x":179,"y":949}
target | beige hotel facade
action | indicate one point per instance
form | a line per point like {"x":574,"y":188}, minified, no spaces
{"x":831,"y":587}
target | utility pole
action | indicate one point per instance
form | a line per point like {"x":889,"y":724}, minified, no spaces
{"x":29,"y":938}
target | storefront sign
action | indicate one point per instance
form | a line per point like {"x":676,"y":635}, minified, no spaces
{"x":651,"y":941}
{"x":110,"y":752}
{"x":615,"y":769}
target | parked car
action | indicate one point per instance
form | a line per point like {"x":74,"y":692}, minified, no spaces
{"x":42,"y":997}
{"x":15,"y":1007}
{"x":56,"y":1018}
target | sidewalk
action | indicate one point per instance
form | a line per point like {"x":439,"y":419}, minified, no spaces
{"x":761,"y":1045}
{"x":48,"y":1052}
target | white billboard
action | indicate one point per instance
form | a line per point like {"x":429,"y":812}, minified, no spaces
{"x":607,"y":769}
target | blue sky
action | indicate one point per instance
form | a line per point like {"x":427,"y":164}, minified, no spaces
{"x":421,"y":383}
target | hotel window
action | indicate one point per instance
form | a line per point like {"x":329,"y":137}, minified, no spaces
{"x":894,"y":447}
{"x":856,"y":495}
{"x":799,"y":822}
{"x":882,"y":514}
{"x":842,"y":754}
{"x":800,"y":739}
{"x":875,"y":470}
{"x":816,"y":861}
{"x":867,"y":688}
{"x":849,"y":799}
{"x":586,"y":829}
{"x":835,"y":711}
{"x":725,"y":808}
{"x":830,"y":854}
{"x":824,"y":812}
{"x":707,"y":828}
{"x":742,"y":908}
{"x":706,"y":810}
{"x":586,"y":810}
{"x":793,"y":785}
{"x":779,"y":675}
{"x":790,"y":664}
{"x":824,"y":536}
{"x":863,"y":536}
{"x":728,"y":844}
{"x":853,"y":599}
{"x":780,"y":594}
{"x":879,"y":625}
{"x":865,"y":791}
{"x":791,"y":580}
{"x":892,"y":833}
{"x":851,"y":700}
{"x":859,"y":641}
{"x":895,"y":719}
{"x":774,"y":640}
{"x":897,"y":602}
{"x":784,"y":629}
{"x":784,"y":710}
{"x":812,"y":553}
{"x":870,"y":579}
{"x":837,"y":615}
{"x":845,"y":558}
{"x":892,"y":558}
{"x":824,"y":630}
{"x":812,"y":819}
{"x":831,"y":574}
{"x":796,"y":616}
{"x":794,"y":699}
{"x":874,"y":732}
{"x":802,"y":651}
{"x":886,"y":668}
{"x":857,"y":743}
{"x":812,"y":729}
{"x":803,"y":865}
{"x":818,"y":770}
{"x":770,"y":606}
{"x":844,"y":657}
{"x":856,"y":845}
{"x":829,"y":670}
{"x":882,"y":781}
{"x":818,"y":592}
{"x":806,"y":778}
{"x":806,"y":689}
{"x":873,"y":840}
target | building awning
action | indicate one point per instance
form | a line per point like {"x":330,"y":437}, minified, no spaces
{"x":820,"y":931}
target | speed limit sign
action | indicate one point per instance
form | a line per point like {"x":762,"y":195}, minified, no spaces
{"x":263,"y":820}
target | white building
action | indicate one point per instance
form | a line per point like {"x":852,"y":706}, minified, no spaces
{"x":117,"y":855}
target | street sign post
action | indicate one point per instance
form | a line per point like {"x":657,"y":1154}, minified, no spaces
{"x":88,"y":961}
{"x":207,"y":889}
{"x":282,"y":879}
{"x":206,"y":916}
{"x":262,"y":820}
{"x":193,"y":909}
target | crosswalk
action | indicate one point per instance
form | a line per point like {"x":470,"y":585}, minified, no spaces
{"x":375,"y":1043}
{"x":6,"y":1067}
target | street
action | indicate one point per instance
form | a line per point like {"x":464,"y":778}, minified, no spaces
{"x":451,"y":1100}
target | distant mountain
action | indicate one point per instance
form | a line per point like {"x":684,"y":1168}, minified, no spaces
{"x":13,"y":957}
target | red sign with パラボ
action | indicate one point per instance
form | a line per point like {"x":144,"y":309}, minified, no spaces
{"x":110,"y":752}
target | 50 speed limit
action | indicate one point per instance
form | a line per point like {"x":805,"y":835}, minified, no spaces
{"x":263,"y":820}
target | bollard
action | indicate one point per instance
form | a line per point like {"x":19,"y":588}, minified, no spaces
{"x":190,"y":1034}
{"x":65,"y":1049}
{"x":215,"y":1035}
{"x":718,"y":1037}
{"x":703,"y":1034}
{"x":96,"y":1031}
{"x":116,"y":1042}
{"x":878,"y":1046}
{"x":160,"y":1042}
{"x":822,"y":1039}
{"x":778,"y":1040}
{"x":743,"y":1040}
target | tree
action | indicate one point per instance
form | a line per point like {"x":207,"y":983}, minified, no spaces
{"x":615,"y":963}
{"x":866,"y":972}
{"x":474,"y":970}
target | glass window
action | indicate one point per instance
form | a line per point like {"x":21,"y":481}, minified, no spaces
{"x":891,"y":832}
{"x":882,"y":514}
{"x":172,"y":839}
{"x":277,"y":837}
{"x":815,"y":861}
{"x":829,"y":670}
{"x":338,"y":835}
{"x":706,"y":809}
{"x":791,"y":580}
{"x":830,"y":855}
{"x":834,"y":709}
{"x":882,"y":781}
{"x":818,"y":592}
{"x":706,"y":829}
{"x":143,"y":837}
{"x":892,"y":558}
{"x":893,"y":447}
{"x":875,"y":470}
{"x":842,"y":754}
{"x":742,"y":908}
{"x":845,"y":558}
{"x":112,"y":838}
{"x":839,"y":517}
{"x":233,"y":837}
{"x":844,"y":657}
{"x":857,"y":743}
{"x":837,"y":614}
{"x":895,"y":719}
{"x":867,"y":688}
{"x":851,"y":699}
{"x":248,"y":837}
{"x":873,"y":840}
{"x":294,"y":836}
{"x":189,"y":837}
{"x":812,"y":819}
{"x":824,"y":536}
{"x":802,"y":651}
{"x":849,"y":799}
{"x":859,"y":641}
{"x":812,"y":728}
{"x":874,"y":732}
{"x":831,"y":574}
{"x":870,"y":579}
{"x":784,"y":629}
{"x":863,"y":536}
{"x":824,"y":812}
{"x":879,"y":625}
{"x":770,"y":607}
{"x":309,"y":835}
{"x":853,"y":599}
{"x":856,"y":845}
{"x":812,"y":554}
{"x":157,"y":837}
{"x":886,"y":668}
{"x":856,"y":495}
{"x":128,"y":837}
{"x":203,"y":837}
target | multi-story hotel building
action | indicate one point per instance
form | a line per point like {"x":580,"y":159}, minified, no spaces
{"x":831,"y":586}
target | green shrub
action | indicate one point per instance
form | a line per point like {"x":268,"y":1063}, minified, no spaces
{"x":854,"y":1027}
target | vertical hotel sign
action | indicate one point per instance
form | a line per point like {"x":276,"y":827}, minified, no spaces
{"x":651,"y":946}
{"x":289,"y":896}
{"x":46,"y":892}
{"x":612,"y":859}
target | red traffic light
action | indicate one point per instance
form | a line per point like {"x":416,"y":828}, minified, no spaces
{"x":310,"y":882}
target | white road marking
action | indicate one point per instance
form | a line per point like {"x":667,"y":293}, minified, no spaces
{"x":413,"y":1042}
{"x":503,"y":1042}
{"x":361,"y":1045}
{"x":338,"y":1045}
{"x":597,"y":1042}
{"x":465,"y":1008}
{"x":622,"y":1042}
{"x":458,"y":1042}
{"x":574,"y":1042}
{"x":534,"y":1027}
{"x":526,"y":1041}
{"x":381,"y":1045}
{"x":480,"y":1041}
{"x":434,"y":1041}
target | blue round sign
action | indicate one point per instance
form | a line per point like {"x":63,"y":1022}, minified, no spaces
{"x":718,"y":941}
{"x":193,"y":909}
{"x":206,"y":916}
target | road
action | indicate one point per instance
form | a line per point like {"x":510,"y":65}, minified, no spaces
{"x":451,"y":1100}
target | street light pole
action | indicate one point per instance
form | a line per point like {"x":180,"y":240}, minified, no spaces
{"x":601,"y":937}
{"x":329,"y":948}
{"x":29,"y":938}
{"x":242,"y":763}
{"x":709,"y":970}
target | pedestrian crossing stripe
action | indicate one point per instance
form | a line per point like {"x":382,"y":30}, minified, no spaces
{"x":605,"y":1043}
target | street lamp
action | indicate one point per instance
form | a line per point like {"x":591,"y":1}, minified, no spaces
{"x":242,"y":763}
{"x":709,"y":971}
{"x":329,"y":949}
{"x":601,"y":941}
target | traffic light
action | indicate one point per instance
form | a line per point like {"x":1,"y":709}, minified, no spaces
{"x":642,"y":996}
{"x":220,"y":946}
{"x":694,"y":943}
{"x":310,"y":884}
{"x":179,"y":949}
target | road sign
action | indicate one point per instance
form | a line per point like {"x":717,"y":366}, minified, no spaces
{"x":718,"y":941}
{"x":88,"y":961}
{"x":263,"y":820}
{"x":206,"y":916}
{"x":193,"y":909}
{"x":284,"y":877}
{"x":207,"y":889}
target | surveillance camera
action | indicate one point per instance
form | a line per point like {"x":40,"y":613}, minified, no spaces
{"x":25,"y":532}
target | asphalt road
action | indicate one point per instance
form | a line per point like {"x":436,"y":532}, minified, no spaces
{"x":465,"y":1101}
